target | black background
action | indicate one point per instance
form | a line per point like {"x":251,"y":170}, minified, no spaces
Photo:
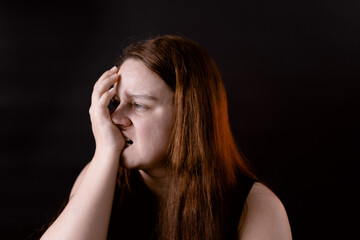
{"x":291,"y":69}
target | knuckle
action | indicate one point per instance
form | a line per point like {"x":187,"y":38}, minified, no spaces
{"x":95,"y":87}
{"x":99,"y":85}
{"x":104,"y":84}
{"x":91,"y":111}
{"x":107,"y":94}
{"x":104,"y":74}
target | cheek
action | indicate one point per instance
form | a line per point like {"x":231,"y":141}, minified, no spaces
{"x":146,"y":131}
{"x":155,"y":134}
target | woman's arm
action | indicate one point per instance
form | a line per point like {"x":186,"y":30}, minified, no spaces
{"x":87,"y":214}
{"x":263,"y":216}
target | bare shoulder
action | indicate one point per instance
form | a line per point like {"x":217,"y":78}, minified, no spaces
{"x":263,"y":216}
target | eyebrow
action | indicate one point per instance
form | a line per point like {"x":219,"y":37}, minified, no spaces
{"x":143,"y":96}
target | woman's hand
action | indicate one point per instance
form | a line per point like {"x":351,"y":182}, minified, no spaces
{"x":108,"y":137}
{"x":87,"y":214}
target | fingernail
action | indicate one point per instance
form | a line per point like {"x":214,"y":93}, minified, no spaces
{"x":113,"y":68}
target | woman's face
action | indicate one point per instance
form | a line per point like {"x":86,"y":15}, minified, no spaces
{"x":144,"y":116}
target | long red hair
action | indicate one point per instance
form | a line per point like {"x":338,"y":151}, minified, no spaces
{"x":203,"y":157}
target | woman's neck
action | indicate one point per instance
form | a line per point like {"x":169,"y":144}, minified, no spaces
{"x":156,"y":182}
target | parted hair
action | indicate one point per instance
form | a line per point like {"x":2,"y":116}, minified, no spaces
{"x":203,"y":159}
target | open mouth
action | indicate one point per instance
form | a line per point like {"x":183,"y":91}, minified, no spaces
{"x":128,"y":142}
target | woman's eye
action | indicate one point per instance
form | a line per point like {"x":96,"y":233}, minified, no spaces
{"x":138,"y":106}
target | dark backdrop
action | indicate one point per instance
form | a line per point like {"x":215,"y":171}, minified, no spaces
{"x":291,"y":69}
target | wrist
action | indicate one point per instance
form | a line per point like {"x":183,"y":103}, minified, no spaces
{"x":107,"y":154}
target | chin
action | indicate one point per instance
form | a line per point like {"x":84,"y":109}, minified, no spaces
{"x":127,"y":160}
{"x":127,"y":163}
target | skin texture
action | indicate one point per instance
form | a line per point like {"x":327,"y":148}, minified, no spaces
{"x":87,"y":214}
{"x":144,"y":115}
{"x":263,"y":216}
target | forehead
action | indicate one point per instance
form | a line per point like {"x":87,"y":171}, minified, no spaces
{"x":136,"y":78}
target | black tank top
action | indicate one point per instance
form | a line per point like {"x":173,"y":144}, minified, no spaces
{"x":136,"y":216}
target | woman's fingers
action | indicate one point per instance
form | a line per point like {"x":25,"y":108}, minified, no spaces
{"x":104,"y":83}
{"x":108,"y":73}
{"x":108,"y":137}
{"x":105,"y":99}
{"x":100,"y":110}
{"x":116,"y":84}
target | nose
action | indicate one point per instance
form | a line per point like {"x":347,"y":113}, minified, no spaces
{"x":120,"y":117}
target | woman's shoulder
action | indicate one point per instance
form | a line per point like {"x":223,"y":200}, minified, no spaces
{"x":263,"y":216}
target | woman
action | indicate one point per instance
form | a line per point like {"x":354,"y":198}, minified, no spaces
{"x":166,"y":165}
